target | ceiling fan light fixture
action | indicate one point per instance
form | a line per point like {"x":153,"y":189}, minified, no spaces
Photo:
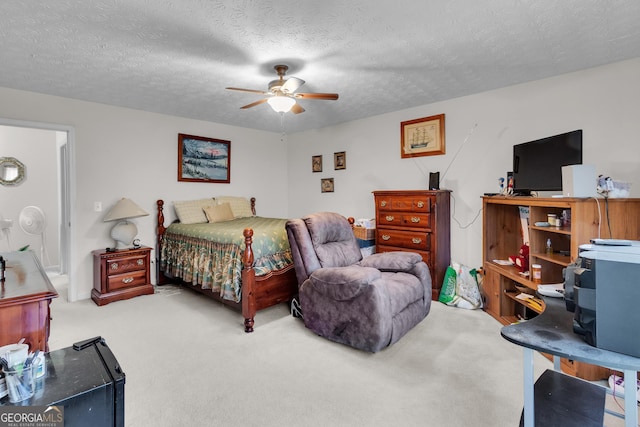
{"x":281,"y":104}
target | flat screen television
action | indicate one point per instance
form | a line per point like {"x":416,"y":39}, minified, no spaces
{"x":537,"y":165}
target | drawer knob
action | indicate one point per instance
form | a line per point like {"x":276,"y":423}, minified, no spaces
{"x":383,"y":203}
{"x":385,"y":237}
{"x":127,"y":280}
{"x":114,"y":266}
{"x":421,"y":204}
{"x":416,"y":240}
{"x":389,"y":218}
{"x":140,"y":262}
{"x":415,"y":219}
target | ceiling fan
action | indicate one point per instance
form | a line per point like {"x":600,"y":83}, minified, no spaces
{"x":281,"y":95}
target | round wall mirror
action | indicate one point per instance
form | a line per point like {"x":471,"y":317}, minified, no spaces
{"x":12,"y":171}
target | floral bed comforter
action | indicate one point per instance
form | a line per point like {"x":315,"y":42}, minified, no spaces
{"x":210,"y":254}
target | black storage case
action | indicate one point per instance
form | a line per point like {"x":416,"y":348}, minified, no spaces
{"x":87,"y":380}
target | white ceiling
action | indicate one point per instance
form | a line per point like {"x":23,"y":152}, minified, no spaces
{"x":177,"y":56}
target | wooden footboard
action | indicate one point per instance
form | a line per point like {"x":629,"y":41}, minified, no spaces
{"x":257,"y":292}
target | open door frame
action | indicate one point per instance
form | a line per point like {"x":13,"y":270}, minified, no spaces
{"x":66,"y":169}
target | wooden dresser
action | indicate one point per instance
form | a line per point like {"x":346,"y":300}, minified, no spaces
{"x":25,"y":297}
{"x":416,"y":221}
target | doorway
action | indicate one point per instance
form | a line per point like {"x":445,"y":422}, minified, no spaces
{"x":59,"y":140}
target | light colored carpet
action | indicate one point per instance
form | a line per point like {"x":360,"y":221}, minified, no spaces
{"x":188,"y":362}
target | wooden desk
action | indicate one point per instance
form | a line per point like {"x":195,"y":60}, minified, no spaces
{"x":552,"y":332}
{"x":25,"y":296}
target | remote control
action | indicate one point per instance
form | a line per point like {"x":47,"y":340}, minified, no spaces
{"x":611,"y":242}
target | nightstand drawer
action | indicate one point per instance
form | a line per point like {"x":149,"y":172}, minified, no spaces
{"x":127,"y":280}
{"x":406,"y":239}
{"x":125,"y":265}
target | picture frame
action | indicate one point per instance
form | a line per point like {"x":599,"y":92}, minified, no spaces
{"x":422,"y":137}
{"x":316,"y":163}
{"x":326,"y":185}
{"x":202,"y":159}
{"x":340,"y":160}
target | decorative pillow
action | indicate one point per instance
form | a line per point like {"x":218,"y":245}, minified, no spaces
{"x":219,"y":213}
{"x":240,"y":206}
{"x":191,"y":211}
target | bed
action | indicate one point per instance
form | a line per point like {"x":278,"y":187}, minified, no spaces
{"x":245,"y":262}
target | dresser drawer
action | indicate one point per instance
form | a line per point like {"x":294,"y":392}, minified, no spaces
{"x":404,"y":219}
{"x":125,"y":265}
{"x":127,"y":280}
{"x":426,"y":255}
{"x":413,"y":203}
{"x":406,"y":239}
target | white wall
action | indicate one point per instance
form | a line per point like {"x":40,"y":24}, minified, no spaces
{"x":602,"y":101}
{"x":127,"y":153}
{"x":37,"y":150}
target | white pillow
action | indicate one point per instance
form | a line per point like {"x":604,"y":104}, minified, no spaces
{"x":240,"y":206}
{"x":191,"y":211}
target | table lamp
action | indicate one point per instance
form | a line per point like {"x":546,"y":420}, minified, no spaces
{"x":124,"y":231}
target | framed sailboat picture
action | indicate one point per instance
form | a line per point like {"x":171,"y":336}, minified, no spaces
{"x":422,"y":137}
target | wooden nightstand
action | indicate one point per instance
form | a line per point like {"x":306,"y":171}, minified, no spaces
{"x":120,"y":274}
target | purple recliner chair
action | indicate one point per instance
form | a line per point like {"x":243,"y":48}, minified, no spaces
{"x":365,"y":303}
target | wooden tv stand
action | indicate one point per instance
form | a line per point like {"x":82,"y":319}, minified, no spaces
{"x":502,"y":237}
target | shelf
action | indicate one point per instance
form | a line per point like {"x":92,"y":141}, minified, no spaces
{"x":509,"y":320}
{"x":555,"y":258}
{"x":535,"y":304}
{"x":558,"y":230}
{"x":513,"y":273}
{"x":561,"y":400}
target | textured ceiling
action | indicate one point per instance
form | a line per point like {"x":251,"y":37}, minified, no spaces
{"x":177,"y":56}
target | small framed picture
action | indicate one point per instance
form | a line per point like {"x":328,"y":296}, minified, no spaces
{"x":340,"y":160}
{"x":316,"y":163}
{"x":326,"y":185}
{"x":422,"y":137}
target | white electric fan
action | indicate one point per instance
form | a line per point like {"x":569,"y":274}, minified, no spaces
{"x":33,"y":221}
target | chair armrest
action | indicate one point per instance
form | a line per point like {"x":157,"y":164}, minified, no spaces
{"x":392,"y":261}
{"x":343,"y":283}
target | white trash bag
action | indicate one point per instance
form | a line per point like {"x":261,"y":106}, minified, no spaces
{"x":466,"y":292}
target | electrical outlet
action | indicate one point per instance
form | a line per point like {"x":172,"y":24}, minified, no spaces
{"x":97,"y":206}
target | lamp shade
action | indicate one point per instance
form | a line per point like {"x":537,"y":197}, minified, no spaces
{"x":124,"y":232}
{"x":281,"y":104}
{"x":125,"y":208}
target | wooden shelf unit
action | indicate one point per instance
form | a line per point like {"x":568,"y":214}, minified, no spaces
{"x":502,"y":237}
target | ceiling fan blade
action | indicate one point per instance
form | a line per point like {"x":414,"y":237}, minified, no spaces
{"x":291,"y":85}
{"x":329,"y":96}
{"x":248,"y":90}
{"x":253,"y":104}
{"x":297,"y":109}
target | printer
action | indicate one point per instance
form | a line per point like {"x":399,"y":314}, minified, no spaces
{"x":602,"y":288}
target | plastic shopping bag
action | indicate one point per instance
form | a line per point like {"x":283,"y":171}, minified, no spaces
{"x":460,"y":287}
